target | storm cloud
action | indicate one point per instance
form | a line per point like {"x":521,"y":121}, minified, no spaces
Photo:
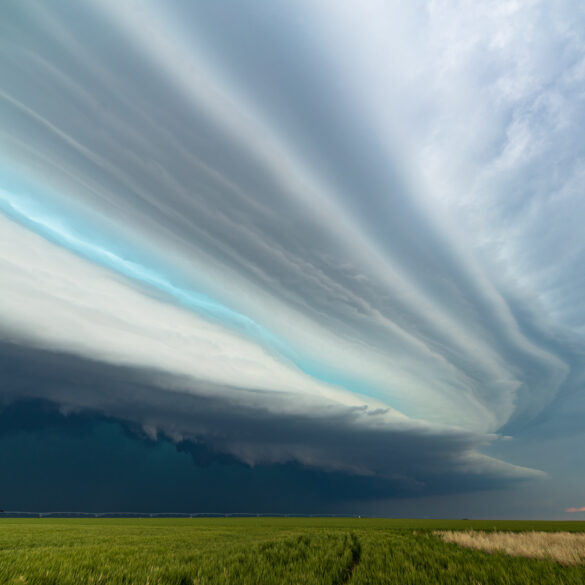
{"x":338,"y":237}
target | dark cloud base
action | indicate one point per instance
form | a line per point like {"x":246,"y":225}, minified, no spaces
{"x":77,"y":434}
{"x":87,"y":462}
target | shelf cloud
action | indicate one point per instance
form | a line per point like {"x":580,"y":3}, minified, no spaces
{"x":345,"y":237}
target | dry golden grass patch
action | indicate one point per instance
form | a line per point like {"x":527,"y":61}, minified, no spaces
{"x":565,"y":547}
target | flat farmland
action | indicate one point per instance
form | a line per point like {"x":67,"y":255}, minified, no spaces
{"x":268,"y":551}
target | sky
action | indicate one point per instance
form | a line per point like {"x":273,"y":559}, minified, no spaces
{"x":293,"y":257}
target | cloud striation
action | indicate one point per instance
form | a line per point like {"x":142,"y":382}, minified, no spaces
{"x":342,"y":237}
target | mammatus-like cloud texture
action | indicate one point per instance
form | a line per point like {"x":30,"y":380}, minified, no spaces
{"x":346,"y":236}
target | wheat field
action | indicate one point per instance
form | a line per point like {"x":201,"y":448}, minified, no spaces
{"x":272,"y":551}
{"x":564,"y":547}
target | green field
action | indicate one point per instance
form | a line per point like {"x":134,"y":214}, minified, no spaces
{"x":264,"y":551}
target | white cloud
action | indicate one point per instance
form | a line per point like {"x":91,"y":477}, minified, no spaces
{"x":466,"y":100}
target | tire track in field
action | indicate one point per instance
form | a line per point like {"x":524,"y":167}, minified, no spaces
{"x":355,"y":549}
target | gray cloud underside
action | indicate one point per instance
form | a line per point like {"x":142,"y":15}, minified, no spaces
{"x":357,"y":441}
